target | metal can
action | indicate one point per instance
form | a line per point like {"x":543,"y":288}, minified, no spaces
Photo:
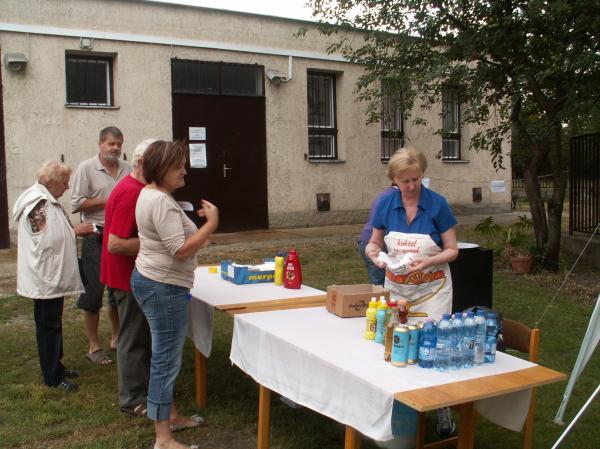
{"x":400,"y":346}
{"x":413,"y":344}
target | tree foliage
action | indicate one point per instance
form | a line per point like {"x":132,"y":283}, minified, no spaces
{"x":527,"y":66}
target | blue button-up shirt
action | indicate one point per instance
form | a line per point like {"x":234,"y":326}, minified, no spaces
{"x":434,"y":216}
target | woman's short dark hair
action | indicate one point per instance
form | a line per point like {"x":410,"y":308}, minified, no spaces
{"x":160,"y":157}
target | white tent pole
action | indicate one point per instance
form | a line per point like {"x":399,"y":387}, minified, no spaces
{"x":572,"y":423}
{"x":582,"y":358}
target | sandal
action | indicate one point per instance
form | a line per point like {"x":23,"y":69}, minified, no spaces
{"x":99,"y":357}
{"x":140,"y":410}
{"x":196,"y":421}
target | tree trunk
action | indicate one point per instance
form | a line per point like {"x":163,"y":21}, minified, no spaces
{"x":555,"y":203}
{"x":534,"y":196}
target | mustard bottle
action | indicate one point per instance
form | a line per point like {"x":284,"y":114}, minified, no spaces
{"x":279,"y":269}
{"x":371,"y":319}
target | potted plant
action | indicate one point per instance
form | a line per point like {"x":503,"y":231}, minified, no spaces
{"x":514,"y":244}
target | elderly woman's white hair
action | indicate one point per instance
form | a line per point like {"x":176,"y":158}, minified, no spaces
{"x":52,"y":172}
{"x":140,"y":149}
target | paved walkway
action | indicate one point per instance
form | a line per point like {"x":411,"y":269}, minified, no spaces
{"x":294,"y":234}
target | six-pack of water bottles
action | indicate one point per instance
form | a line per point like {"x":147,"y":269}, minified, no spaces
{"x":461,"y":340}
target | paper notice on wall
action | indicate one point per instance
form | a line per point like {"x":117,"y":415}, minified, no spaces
{"x":497,"y":186}
{"x":197,"y":133}
{"x":197,"y":155}
{"x":425,"y":182}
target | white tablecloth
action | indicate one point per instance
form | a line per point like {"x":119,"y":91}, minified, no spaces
{"x":210,"y":290}
{"x":324,"y":363}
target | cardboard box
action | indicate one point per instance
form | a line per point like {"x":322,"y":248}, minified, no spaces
{"x":349,"y":301}
{"x":245,"y":274}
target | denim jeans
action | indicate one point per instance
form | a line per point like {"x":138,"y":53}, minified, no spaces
{"x":166,"y":309}
{"x":48,"y":334}
{"x":376,"y":274}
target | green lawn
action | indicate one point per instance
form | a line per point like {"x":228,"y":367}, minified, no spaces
{"x":33,"y":416}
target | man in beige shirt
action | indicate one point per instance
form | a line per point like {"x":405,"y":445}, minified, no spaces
{"x":94,"y":180}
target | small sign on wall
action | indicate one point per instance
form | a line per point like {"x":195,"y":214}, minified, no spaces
{"x":197,"y":133}
{"x":197,"y":155}
{"x":497,"y":186}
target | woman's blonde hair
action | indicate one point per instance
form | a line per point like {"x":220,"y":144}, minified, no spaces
{"x":52,"y":171}
{"x":404,"y":159}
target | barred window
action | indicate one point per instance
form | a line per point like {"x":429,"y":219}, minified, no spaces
{"x":89,"y":80}
{"x":392,"y":123}
{"x":450,"y":123}
{"x":216,"y":78}
{"x":322,"y":127}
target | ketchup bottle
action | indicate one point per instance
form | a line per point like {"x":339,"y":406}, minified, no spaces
{"x":292,"y":276}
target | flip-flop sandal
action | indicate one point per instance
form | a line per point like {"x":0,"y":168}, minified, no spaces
{"x":140,"y":410}
{"x":99,"y":357}
{"x":197,"y":420}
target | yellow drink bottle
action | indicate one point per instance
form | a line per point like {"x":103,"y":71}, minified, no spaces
{"x":371,"y":319}
{"x":279,"y":269}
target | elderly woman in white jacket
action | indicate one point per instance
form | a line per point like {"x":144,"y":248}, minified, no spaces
{"x":47,"y":268}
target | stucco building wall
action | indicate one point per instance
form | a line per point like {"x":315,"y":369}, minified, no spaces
{"x":38,"y":126}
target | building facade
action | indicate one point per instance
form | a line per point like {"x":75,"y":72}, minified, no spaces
{"x":277,"y":138}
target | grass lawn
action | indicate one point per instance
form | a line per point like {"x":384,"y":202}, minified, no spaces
{"x":33,"y":416}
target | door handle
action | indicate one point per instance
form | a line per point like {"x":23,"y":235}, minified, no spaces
{"x":225,"y":168}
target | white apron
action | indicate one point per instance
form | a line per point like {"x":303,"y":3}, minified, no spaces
{"x":429,"y":292}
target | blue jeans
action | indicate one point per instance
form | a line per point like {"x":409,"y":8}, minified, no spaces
{"x":166,"y":309}
{"x":376,"y":274}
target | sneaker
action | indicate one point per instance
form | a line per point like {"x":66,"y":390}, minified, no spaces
{"x":445,"y":425}
{"x":70,"y":373}
{"x":65,"y":385}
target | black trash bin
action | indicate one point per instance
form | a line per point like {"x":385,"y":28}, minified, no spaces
{"x":472,"y":277}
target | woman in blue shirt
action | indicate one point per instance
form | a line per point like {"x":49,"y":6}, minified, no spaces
{"x":417,"y":227}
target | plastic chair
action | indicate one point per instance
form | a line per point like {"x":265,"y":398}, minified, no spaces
{"x":516,"y":336}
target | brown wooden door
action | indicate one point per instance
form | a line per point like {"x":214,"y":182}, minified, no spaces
{"x":235,"y":178}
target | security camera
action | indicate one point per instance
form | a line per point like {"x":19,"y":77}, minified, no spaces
{"x":276,"y":77}
{"x":15,"y":61}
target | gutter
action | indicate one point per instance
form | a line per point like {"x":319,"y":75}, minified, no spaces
{"x":164,"y":40}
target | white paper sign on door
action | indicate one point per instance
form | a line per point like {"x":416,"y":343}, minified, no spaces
{"x":497,"y":186}
{"x":197,"y":155}
{"x":197,"y":133}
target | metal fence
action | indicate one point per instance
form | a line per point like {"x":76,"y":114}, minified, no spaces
{"x":584,"y":183}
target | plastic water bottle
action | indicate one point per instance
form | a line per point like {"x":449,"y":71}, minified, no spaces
{"x":491,"y":334}
{"x":470,"y":329}
{"x":479,"y":358}
{"x":380,"y":318}
{"x":443,"y":347}
{"x":427,"y":344}
{"x":456,"y":357}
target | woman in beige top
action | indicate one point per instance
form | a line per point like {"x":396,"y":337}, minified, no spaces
{"x":163,"y":276}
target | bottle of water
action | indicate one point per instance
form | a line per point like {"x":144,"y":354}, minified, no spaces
{"x":479,"y":338}
{"x":470,"y":329}
{"x":443,"y":348}
{"x":427,"y":344}
{"x":491,"y":335}
{"x":456,"y":357}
